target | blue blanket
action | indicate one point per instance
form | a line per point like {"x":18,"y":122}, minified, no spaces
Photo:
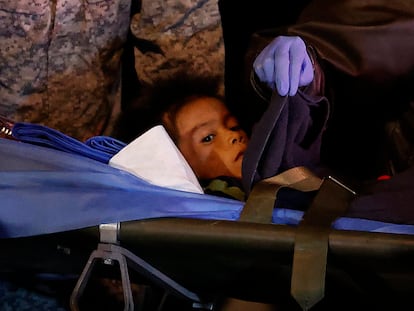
{"x":44,"y":190}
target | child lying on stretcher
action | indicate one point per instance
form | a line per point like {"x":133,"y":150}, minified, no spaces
{"x":205,"y":131}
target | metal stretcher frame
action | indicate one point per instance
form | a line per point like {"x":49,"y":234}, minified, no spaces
{"x":202,"y":259}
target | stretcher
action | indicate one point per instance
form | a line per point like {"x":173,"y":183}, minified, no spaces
{"x":61,"y":213}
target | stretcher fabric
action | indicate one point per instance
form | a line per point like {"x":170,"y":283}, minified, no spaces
{"x":43,"y":190}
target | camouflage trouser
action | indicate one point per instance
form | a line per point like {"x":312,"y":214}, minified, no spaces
{"x":184,"y":33}
{"x":60,"y":62}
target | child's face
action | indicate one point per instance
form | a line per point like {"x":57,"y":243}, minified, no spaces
{"x":210,"y":138}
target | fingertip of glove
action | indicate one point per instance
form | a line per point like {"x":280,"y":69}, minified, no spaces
{"x":282,"y":88}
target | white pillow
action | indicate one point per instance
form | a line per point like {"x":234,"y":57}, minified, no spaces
{"x":154,"y":157}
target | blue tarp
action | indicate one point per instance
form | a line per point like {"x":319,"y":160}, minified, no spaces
{"x":44,"y":190}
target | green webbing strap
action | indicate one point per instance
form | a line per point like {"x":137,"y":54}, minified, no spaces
{"x":312,"y":234}
{"x":312,"y":241}
{"x":260,"y":203}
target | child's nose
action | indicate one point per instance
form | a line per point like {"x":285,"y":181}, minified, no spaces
{"x":235,"y":137}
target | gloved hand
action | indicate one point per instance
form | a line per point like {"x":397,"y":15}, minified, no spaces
{"x":285,"y":65}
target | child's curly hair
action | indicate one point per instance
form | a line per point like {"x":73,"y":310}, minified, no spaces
{"x":159,"y":103}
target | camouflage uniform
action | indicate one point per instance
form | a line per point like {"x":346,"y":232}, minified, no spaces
{"x":60,"y":62}
{"x":188,"y":33}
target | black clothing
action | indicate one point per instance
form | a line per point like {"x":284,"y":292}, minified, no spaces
{"x":366,"y":52}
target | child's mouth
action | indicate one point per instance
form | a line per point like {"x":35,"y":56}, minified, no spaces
{"x":239,"y":156}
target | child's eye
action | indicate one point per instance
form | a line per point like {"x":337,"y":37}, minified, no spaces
{"x":208,"y":138}
{"x":235,"y":128}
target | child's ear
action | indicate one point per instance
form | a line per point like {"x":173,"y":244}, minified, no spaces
{"x":166,"y":120}
{"x":169,"y":125}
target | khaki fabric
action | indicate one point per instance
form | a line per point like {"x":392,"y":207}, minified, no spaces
{"x":188,"y":34}
{"x":60,"y":62}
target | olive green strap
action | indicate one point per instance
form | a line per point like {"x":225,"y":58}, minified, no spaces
{"x":260,"y":203}
{"x":312,"y":241}
{"x":312,"y":234}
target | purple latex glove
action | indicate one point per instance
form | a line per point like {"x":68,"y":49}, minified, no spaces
{"x":285,"y":65}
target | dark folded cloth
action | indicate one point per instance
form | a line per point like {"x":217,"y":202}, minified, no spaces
{"x":289,"y":134}
{"x":99,"y":148}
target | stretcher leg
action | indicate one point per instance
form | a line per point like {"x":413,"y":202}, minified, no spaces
{"x":111,"y":252}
